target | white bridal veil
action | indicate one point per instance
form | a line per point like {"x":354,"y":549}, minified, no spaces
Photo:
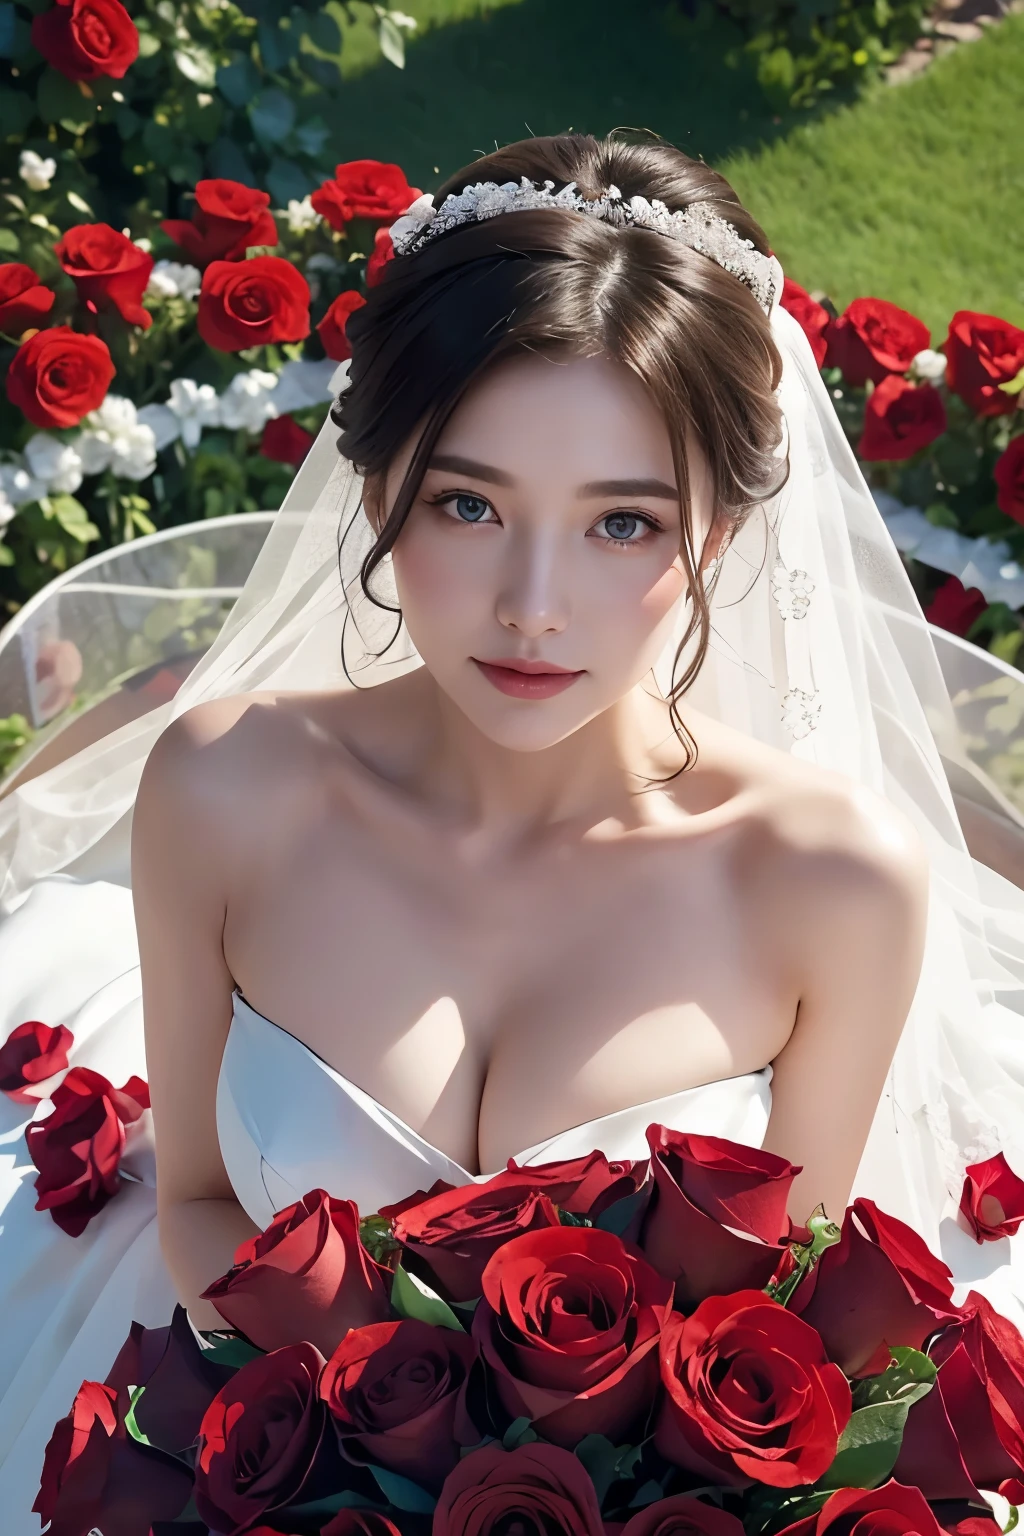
{"x":819,"y":647}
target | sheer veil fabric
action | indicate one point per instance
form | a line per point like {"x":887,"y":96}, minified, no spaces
{"x":819,"y":648}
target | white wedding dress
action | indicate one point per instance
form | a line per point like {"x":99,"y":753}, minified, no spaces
{"x":286,"y":1121}
{"x":818,"y":648}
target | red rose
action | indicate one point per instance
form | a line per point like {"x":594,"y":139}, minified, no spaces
{"x":900,"y":419}
{"x":109,"y":270}
{"x":879,"y":1283}
{"x":24,"y":301}
{"x":967,"y":1433}
{"x":1009,"y":478}
{"x":77,"y":1149}
{"x":331,"y":329}
{"x":887,"y":1511}
{"x":955,"y":607}
{"x":95,"y":1474}
{"x":535,"y":1488}
{"x":568,"y":1328}
{"x":364,"y":189}
{"x":261,"y":1443}
{"x":181,"y":1381}
{"x":351,"y":1522}
{"x":285,"y":441}
{"x":583,"y":1186}
{"x":749,"y":1394}
{"x":397,"y":1392}
{"x":383,"y":252}
{"x":983,"y":352}
{"x":812,"y":318}
{"x":307,"y":1277}
{"x":249,"y":303}
{"x":683,"y":1515}
{"x":57,"y":377}
{"x":717,"y":1222}
{"x":84,"y":39}
{"x":456,"y":1231}
{"x":992,"y":1203}
{"x":873,"y":338}
{"x":32,"y":1053}
{"x":228,"y":217}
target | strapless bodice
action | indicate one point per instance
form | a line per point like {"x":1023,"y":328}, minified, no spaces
{"x":288,"y":1123}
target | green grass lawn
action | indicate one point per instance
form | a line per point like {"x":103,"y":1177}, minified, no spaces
{"x":914,"y":193}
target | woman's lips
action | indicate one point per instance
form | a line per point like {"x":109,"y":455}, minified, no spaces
{"x":526,"y":685}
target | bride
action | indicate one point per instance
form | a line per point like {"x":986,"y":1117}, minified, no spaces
{"x":598,"y":779}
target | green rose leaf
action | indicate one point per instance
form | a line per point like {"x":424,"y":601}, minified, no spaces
{"x":278,"y":45}
{"x":238,"y":82}
{"x":196,"y":65}
{"x":906,"y":1379}
{"x":272,"y":115}
{"x":71,"y":516}
{"x":403,"y":1493}
{"x":324,"y":32}
{"x":286,"y":180}
{"x":60,"y":101}
{"x":520,"y":1432}
{"x":869,"y":1445}
{"x":412,"y":1297}
{"x":230,"y":1349}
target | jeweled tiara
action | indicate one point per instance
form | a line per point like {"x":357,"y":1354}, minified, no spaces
{"x":698,"y":226}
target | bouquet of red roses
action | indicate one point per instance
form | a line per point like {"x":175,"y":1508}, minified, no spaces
{"x":574,"y":1349}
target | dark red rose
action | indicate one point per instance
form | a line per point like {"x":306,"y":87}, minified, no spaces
{"x":535,"y":1490}
{"x":357,"y":1522}
{"x":181,"y":1381}
{"x":891,"y":1510}
{"x":983,"y":352}
{"x":456,"y":1232}
{"x":683,"y":1515}
{"x":331,"y":329}
{"x":249,"y":303}
{"x":873,"y":338}
{"x":992,"y":1203}
{"x":568,"y":1328}
{"x":900,"y":419}
{"x":813,"y":320}
{"x":108,"y":269}
{"x":1009,"y":478}
{"x":583,"y":1186}
{"x":227,"y":219}
{"x":57,"y":377}
{"x":397,"y":1393}
{"x":967,"y":1433}
{"x":262,"y":1442}
{"x":717,"y":1221}
{"x":879,"y":1284}
{"x":24,"y":300}
{"x":749,"y":1393}
{"x":285,"y":441}
{"x":77,"y":1148}
{"x":96,"y":1476}
{"x":32,"y":1053}
{"x":85,"y":39}
{"x":307,"y":1277}
{"x":955,"y":607}
{"x":364,"y":189}
{"x":383,"y":252}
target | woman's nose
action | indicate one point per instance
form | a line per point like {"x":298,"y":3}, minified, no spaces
{"x":533,"y":595}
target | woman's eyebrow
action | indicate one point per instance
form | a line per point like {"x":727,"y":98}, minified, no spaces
{"x":456,"y":464}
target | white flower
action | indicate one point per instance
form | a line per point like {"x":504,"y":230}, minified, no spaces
{"x":163,"y":423}
{"x":174,"y":280}
{"x":36,"y":172}
{"x":196,"y":406}
{"x":301,"y":216}
{"x":142,"y":243}
{"x":56,"y":464}
{"x":929,"y":365}
{"x":7,"y":510}
{"x":18,"y":486}
{"x":114,"y":438}
{"x":246,"y":401}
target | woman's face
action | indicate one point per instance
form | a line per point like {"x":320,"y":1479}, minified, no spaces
{"x":547,"y":531}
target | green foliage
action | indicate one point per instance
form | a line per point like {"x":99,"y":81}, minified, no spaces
{"x":804,"y":49}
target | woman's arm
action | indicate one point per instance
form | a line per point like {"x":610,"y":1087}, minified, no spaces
{"x":182,"y":840}
{"x":855,"y":900}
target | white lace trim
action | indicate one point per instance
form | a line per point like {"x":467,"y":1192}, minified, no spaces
{"x":800,"y":711}
{"x":697,"y":226}
{"x":792,"y":591}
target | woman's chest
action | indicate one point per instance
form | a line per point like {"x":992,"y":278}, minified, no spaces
{"x":492,"y":1009}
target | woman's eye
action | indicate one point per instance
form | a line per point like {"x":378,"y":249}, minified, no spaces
{"x":627,"y":527}
{"x":466,"y":508}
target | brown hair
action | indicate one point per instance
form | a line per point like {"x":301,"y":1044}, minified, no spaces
{"x":559,"y":280}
